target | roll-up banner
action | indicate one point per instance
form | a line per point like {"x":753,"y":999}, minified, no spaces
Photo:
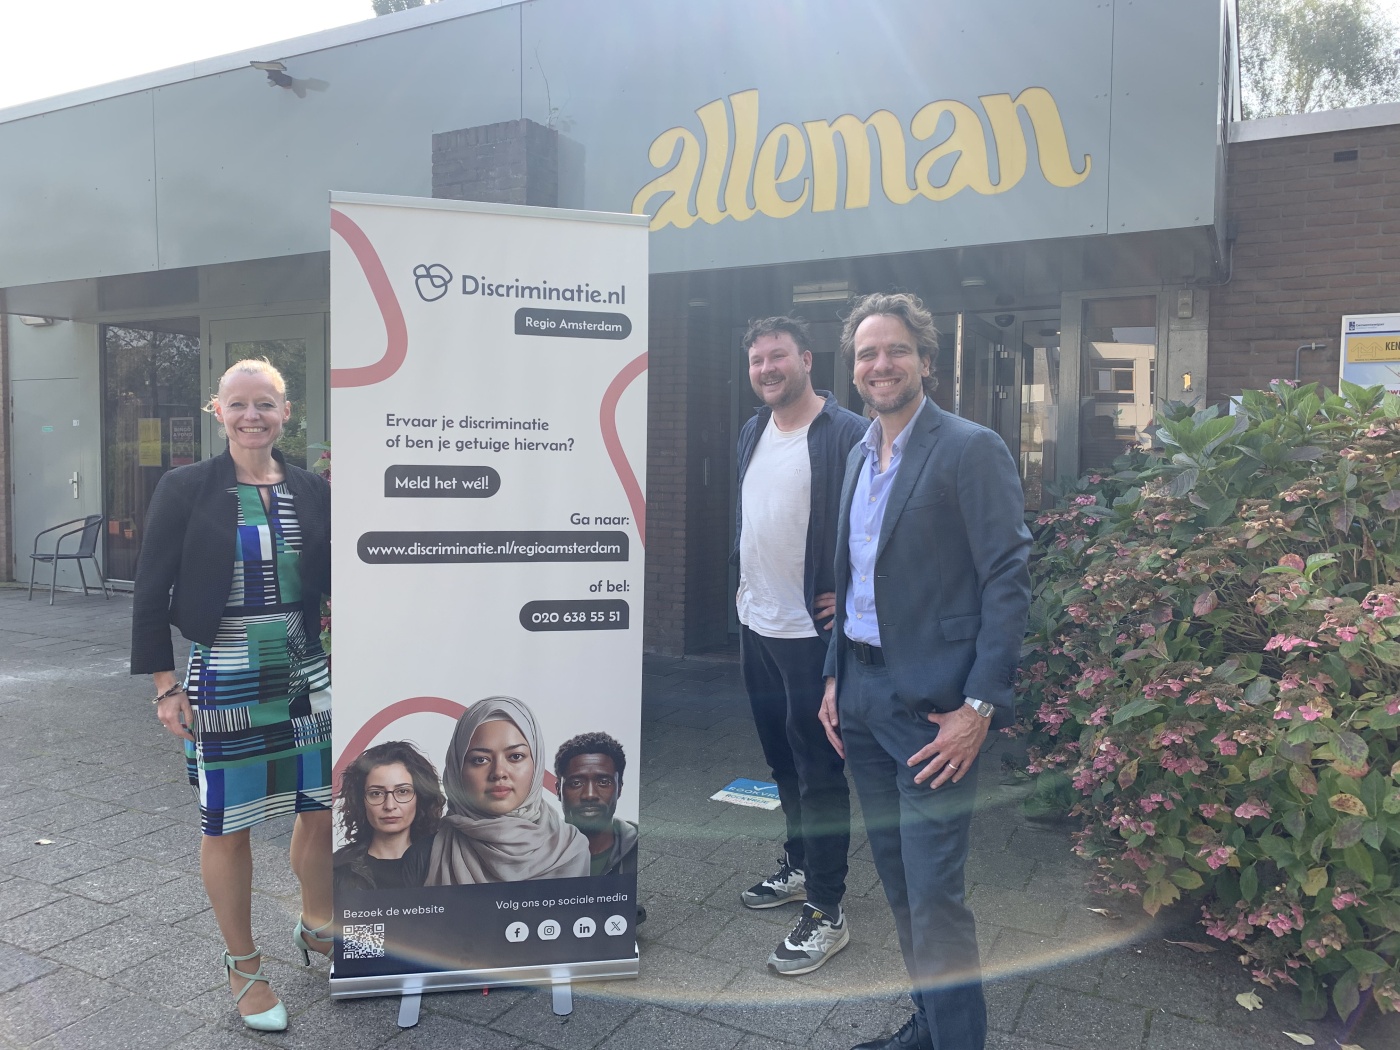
{"x":488,"y":408}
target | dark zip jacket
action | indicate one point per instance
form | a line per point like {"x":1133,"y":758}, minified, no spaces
{"x":189,"y":545}
{"x":833,"y":433}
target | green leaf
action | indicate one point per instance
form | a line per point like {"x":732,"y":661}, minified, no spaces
{"x":1347,"y":833}
{"x":1133,"y":708}
{"x":1357,"y":858}
{"x":1249,"y":883}
{"x":1366,"y":962}
{"x":1315,"y":882}
{"x":1344,"y":803}
{"x":1346,"y":993}
{"x":1261,"y":767}
{"x":1352,"y":754}
{"x":1187,"y":879}
{"x":1258,"y":691}
{"x":1157,"y":895}
{"x":1373,"y":833}
{"x":1301,"y":777}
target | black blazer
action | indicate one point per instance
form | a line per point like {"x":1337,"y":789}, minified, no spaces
{"x":189,"y":544}
{"x":951,"y":584}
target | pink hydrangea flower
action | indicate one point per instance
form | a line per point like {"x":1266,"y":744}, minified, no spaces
{"x":1346,"y":899}
{"x":1217,"y":856}
{"x":1224,"y":744}
{"x":1253,"y":808}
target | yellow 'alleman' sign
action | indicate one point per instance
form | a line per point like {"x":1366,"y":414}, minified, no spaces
{"x":756,"y":167}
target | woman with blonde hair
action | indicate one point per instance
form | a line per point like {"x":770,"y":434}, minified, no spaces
{"x":236,"y":554}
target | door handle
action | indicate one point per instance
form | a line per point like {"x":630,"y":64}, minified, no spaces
{"x":74,"y":482}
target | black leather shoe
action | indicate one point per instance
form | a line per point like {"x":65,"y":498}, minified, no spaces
{"x":907,"y":1038}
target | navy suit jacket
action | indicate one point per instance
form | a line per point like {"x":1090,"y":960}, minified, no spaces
{"x":952,"y":588}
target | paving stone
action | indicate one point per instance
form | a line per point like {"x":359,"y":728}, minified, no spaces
{"x":652,"y":1027}
{"x":476,"y":1006}
{"x":172,"y":902}
{"x":18,"y":895}
{"x":688,"y":879}
{"x":57,"y":922}
{"x":681,"y":979}
{"x":1082,"y":1021}
{"x":771,"y":1006}
{"x":61,"y":998}
{"x":17,"y":967}
{"x":1013,"y":908}
{"x":61,"y":861}
{"x":132,"y":1021}
{"x":105,"y":952}
{"x":590,"y":1024}
{"x":122,"y":826}
{"x":119,"y":881}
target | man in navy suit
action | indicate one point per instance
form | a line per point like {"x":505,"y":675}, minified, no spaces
{"x":932,"y":595}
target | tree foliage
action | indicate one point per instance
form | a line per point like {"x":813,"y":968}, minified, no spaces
{"x":1298,"y":56}
{"x":388,"y":7}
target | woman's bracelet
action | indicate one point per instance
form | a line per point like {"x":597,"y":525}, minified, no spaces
{"x":178,"y":687}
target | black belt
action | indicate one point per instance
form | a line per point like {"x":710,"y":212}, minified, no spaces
{"x":870,"y":655}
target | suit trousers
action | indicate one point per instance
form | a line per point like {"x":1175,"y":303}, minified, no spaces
{"x":919,"y":840}
{"x":783,"y":677}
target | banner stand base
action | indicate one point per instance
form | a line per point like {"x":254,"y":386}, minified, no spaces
{"x":563,"y":999}
{"x":408,"y":1009}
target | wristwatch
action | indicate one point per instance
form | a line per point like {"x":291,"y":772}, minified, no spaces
{"x":980,"y":706}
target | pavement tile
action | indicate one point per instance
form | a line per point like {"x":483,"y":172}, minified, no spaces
{"x":17,"y":967}
{"x":591,"y":1023}
{"x":1170,"y":1032}
{"x":476,"y":1006}
{"x":680,"y":979}
{"x":122,"y":826}
{"x":854,"y":1020}
{"x":57,"y":922}
{"x":1005,"y":999}
{"x":18,"y":896}
{"x":131,"y":1022}
{"x":1013,"y":908}
{"x":688,"y":879}
{"x":172,"y":902}
{"x":652,"y":1027}
{"x":215,"y":1037}
{"x":57,"y":1000}
{"x":105,"y":952}
{"x":770,"y":1006}
{"x":436,"y":1031}
{"x":1082,"y":1021}
{"x":62,"y":861}
{"x":118,"y":881}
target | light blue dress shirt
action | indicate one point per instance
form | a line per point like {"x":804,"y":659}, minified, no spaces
{"x":868,"y":503}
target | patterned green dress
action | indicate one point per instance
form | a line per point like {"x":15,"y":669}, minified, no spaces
{"x":261,"y":692}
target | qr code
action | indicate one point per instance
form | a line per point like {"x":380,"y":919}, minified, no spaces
{"x":362,"y":942}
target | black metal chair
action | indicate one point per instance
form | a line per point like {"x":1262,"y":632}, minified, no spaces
{"x":88,"y":529}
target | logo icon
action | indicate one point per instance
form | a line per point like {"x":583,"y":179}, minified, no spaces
{"x":1351,"y":326}
{"x":585,"y":927}
{"x":615,"y":926}
{"x":517,"y":932}
{"x":433,"y":281}
{"x":548,"y":930}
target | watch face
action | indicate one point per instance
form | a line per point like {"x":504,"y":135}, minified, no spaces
{"x":982,"y":708}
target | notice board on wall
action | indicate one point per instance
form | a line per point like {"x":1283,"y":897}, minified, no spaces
{"x":1371,"y":350}
{"x":488,"y":407}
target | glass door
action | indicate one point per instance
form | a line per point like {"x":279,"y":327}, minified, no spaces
{"x":1007,"y":377}
{"x":295,"y":344}
{"x":151,"y":401}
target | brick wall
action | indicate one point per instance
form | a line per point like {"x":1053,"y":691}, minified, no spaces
{"x":668,"y":382}
{"x":514,"y":162}
{"x":1318,"y":237}
{"x":710,"y":461}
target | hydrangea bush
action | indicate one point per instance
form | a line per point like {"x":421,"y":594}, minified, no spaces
{"x":1214,"y":664}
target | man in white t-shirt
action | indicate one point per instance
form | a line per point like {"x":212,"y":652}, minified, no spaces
{"x":792,"y":456}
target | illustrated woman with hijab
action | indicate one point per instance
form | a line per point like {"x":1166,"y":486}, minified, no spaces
{"x":498,"y":826}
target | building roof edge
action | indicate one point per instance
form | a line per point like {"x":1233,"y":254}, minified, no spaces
{"x":1383,"y":114}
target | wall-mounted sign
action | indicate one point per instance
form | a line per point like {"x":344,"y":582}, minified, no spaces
{"x":1371,"y":350}
{"x":182,"y":449}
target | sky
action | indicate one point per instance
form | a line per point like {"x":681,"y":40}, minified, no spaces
{"x":58,"y":46}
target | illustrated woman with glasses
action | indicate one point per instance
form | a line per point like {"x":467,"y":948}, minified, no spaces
{"x":390,"y":805}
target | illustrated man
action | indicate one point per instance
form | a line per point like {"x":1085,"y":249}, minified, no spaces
{"x":590,"y":768}
{"x":932,"y":595}
{"x":791,"y":457}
